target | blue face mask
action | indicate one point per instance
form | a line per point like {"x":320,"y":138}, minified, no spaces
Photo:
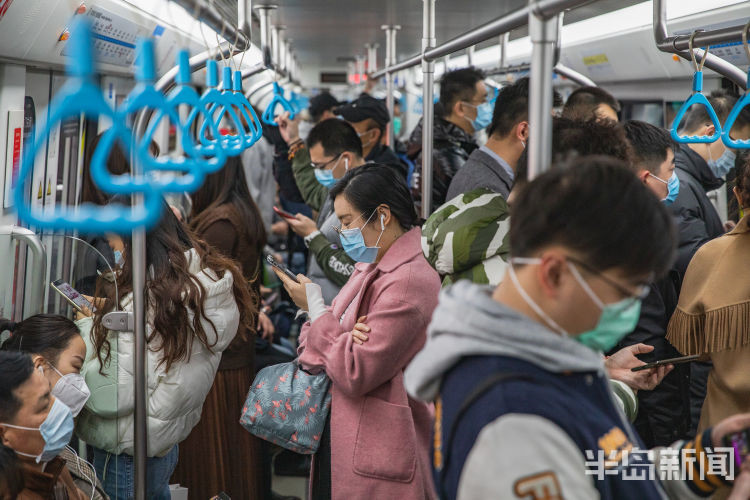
{"x":118,"y":257}
{"x":673,"y":187}
{"x":325,"y":176}
{"x":354,"y":245}
{"x":484,"y":116}
{"x":397,"y":126}
{"x":721,"y":166}
{"x":56,"y":430}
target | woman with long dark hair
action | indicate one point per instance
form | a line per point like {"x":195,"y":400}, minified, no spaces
{"x":197,"y":301}
{"x":219,"y":455}
{"x":378,"y":439}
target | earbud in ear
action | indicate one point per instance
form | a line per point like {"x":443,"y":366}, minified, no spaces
{"x":346,"y":163}
{"x":382,"y":222}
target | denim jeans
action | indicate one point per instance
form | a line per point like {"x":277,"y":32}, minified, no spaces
{"x":117,"y":474}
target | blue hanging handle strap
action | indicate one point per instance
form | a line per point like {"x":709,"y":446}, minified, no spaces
{"x":80,"y":95}
{"x":697,"y":98}
{"x":277,"y":99}
{"x":144,"y":96}
{"x":211,"y":159}
{"x":221,"y":103}
{"x":740,"y":105}
{"x":246,"y":111}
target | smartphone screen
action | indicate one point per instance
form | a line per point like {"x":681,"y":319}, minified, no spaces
{"x":76,"y":299}
{"x":740,"y":442}
{"x":281,"y":267}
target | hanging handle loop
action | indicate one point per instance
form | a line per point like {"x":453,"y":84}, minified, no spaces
{"x":743,"y":102}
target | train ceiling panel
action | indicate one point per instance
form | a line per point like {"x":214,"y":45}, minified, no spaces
{"x":325,"y":32}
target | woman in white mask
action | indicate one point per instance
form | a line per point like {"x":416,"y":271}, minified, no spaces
{"x":57,"y":349}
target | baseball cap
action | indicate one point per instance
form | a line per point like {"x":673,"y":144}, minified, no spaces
{"x":364,"y":107}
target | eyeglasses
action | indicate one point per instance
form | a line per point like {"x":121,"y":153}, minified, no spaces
{"x":325,"y":164}
{"x":641,"y":292}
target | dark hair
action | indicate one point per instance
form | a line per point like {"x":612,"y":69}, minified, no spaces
{"x":173,"y":293}
{"x":572,"y":205}
{"x":649,"y":144}
{"x":512,"y":107}
{"x":585,"y":138}
{"x":742,"y":179}
{"x":15,"y":369}
{"x":11,"y":474}
{"x":722,"y":102}
{"x":228,"y":187}
{"x":369,"y":186}
{"x":336,"y":137}
{"x":117,"y":163}
{"x":582,"y":103}
{"x":458,"y":85}
{"x":45,"y":334}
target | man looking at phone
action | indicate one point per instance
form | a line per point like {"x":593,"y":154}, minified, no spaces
{"x":522,"y":400}
{"x":334,"y":148}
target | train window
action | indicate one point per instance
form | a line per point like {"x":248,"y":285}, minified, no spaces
{"x":648,"y":111}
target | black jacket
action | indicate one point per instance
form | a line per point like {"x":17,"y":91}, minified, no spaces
{"x":451,"y":148}
{"x":695,"y":217}
{"x":384,"y":155}
{"x":664,"y":414}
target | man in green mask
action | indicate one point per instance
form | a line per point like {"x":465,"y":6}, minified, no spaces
{"x":522,"y":397}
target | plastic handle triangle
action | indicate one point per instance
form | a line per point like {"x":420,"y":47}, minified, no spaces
{"x":79,"y":96}
{"x":276,"y":100}
{"x":696,"y":99}
{"x":741,"y":103}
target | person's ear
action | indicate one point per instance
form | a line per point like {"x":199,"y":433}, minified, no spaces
{"x":378,"y":135}
{"x":384,"y":213}
{"x":458,"y":109}
{"x":522,"y":131}
{"x":38,"y":361}
{"x":710,"y":130}
{"x":3,"y":438}
{"x":549,"y":274}
{"x":643,"y":175}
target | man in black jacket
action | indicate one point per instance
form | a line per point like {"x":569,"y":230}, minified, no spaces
{"x":701,"y":168}
{"x":462,"y":110}
{"x":369,"y":117}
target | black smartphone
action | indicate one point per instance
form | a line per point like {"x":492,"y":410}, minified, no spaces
{"x":71,"y":295}
{"x":670,"y":361}
{"x":740,"y":442}
{"x":278,"y":265}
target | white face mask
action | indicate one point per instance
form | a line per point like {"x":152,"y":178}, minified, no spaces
{"x":72,"y":390}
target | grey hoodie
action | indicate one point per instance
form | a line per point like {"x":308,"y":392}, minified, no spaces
{"x":468,"y":321}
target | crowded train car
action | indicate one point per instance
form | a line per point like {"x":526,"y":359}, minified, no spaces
{"x":390,"y":250}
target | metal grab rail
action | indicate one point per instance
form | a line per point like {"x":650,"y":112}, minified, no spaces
{"x":679,"y":44}
{"x":38,"y":283}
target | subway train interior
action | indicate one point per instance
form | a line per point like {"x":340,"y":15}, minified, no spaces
{"x":241,"y":256}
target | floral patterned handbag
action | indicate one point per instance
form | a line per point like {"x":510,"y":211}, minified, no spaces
{"x":288,"y":406}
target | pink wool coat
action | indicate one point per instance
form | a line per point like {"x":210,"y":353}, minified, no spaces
{"x":380,"y":438}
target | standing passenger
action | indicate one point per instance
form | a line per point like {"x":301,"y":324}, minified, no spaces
{"x":219,"y":455}
{"x":462,"y":111}
{"x":377,"y":444}
{"x":196,"y":301}
{"x":591,"y":103}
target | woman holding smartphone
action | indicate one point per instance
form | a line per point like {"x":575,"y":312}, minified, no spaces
{"x":197,"y":302}
{"x":378,"y":439}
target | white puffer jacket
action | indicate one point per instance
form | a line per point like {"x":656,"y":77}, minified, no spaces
{"x":175,"y":398}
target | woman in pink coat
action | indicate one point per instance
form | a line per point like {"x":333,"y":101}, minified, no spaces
{"x":379,"y":438}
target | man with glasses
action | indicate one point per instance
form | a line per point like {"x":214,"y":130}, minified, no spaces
{"x":462,"y":111}
{"x":334,"y":148}
{"x":522,"y":398}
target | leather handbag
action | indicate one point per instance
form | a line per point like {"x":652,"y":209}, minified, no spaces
{"x":288,"y":406}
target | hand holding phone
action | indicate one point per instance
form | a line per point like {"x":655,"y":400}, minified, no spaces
{"x":281,"y":267}
{"x":670,"y":361}
{"x":740,"y":442}
{"x":72,"y":296}
{"x":283,"y":213}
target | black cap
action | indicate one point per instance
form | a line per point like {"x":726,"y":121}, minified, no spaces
{"x":363,"y":108}
{"x":322,"y":102}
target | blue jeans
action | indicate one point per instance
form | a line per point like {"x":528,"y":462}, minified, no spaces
{"x":117,"y":474}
